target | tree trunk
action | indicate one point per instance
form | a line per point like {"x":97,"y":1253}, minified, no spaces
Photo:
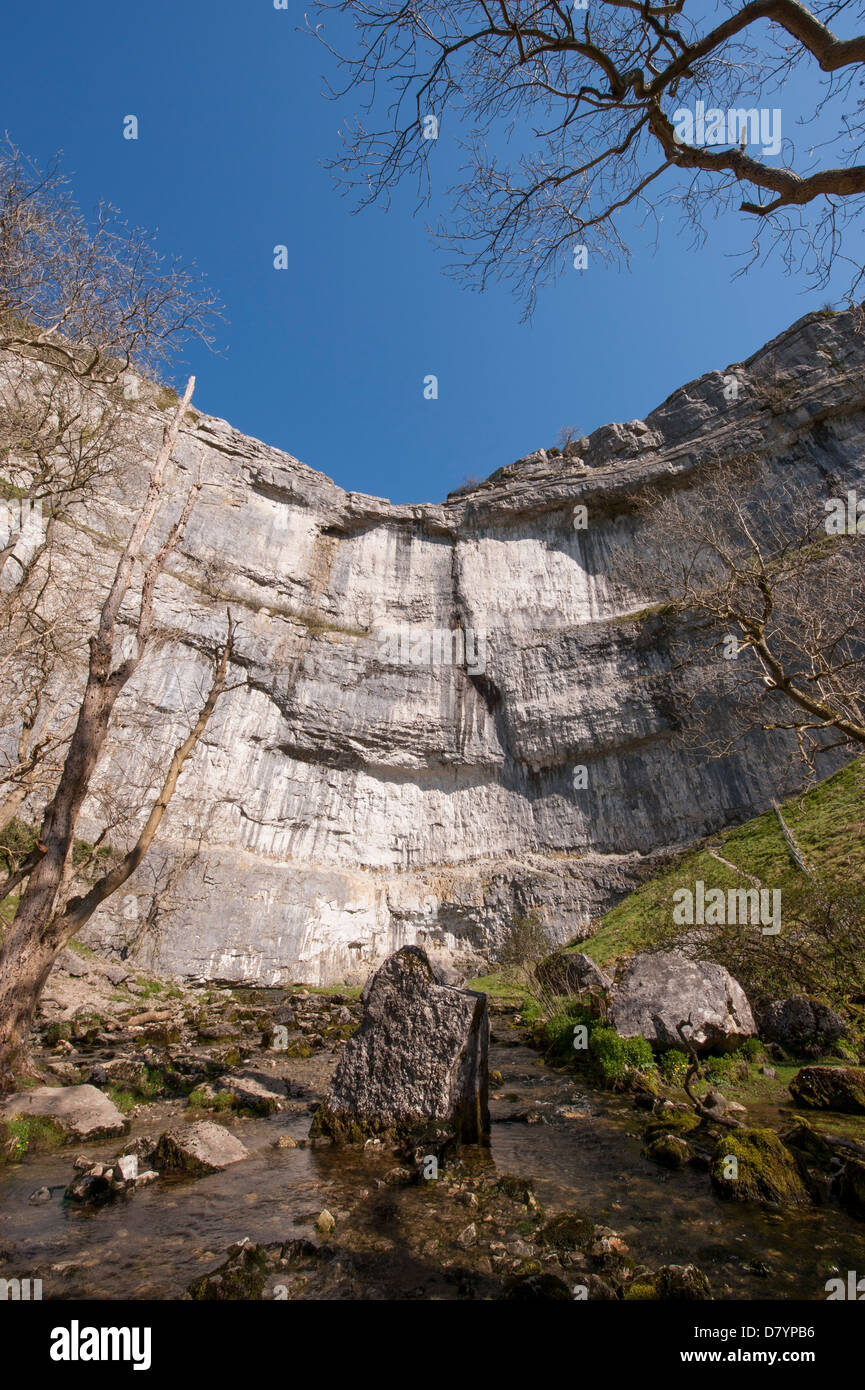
{"x":25,"y":963}
{"x":43,"y":923}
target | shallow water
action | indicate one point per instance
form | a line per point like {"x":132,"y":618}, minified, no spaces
{"x":595,"y":1164}
{"x":154,"y":1243}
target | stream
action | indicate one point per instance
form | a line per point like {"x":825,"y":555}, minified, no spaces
{"x":586,"y":1156}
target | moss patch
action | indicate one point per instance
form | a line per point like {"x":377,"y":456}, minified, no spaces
{"x":830,"y":1088}
{"x":763,"y":1171}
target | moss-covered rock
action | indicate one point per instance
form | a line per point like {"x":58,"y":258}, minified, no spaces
{"x":670,"y":1282}
{"x":851,"y":1188}
{"x":645,"y":1088}
{"x":668,"y":1150}
{"x":808,"y":1144}
{"x":830,"y":1088}
{"x":569,"y":1231}
{"x":813,"y":1157}
{"x":240,"y":1279}
{"x":764,"y":1170}
{"x":671,"y":1120}
{"x":518,"y":1189}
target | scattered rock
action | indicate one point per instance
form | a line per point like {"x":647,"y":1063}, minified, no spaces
{"x":537,"y":1287}
{"x":669,"y":1150}
{"x":569,"y":1231}
{"x":851,"y":1188}
{"x":264,"y":1095}
{"x":669,"y":1282}
{"x":660,"y":990}
{"x":214,"y":1031}
{"x":90,"y":1189}
{"x":67,"y":1072}
{"x":799,"y":1023}
{"x":81,"y":1112}
{"x":572,"y":973}
{"x":70,"y":964}
{"x":830,"y":1088}
{"x":126,"y":1168}
{"x":325,"y":1223}
{"x":119,"y":1071}
{"x":39,"y":1197}
{"x":116,"y":974}
{"x":198,"y":1148}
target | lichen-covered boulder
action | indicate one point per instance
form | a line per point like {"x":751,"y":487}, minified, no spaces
{"x":799,"y":1022}
{"x":417,"y":1066}
{"x":752,"y":1165}
{"x":660,"y":990}
{"x":830,"y":1088}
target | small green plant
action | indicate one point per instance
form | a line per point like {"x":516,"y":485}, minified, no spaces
{"x":673,"y":1065}
{"x":558,"y":1031}
{"x":123,"y":1098}
{"x":616,"y":1056}
{"x":731,"y":1067}
{"x":31,"y":1134}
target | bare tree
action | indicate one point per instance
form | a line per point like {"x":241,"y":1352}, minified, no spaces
{"x":575,"y":118}
{"x":91,"y":297}
{"x":766,"y":607}
{"x":82,"y":304}
{"x":48,"y":914}
{"x":87,"y":310}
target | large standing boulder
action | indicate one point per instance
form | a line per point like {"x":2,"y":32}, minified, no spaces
{"x":77,"y":1112}
{"x":799,"y":1022}
{"x":662,"y":989}
{"x":416,"y":1068}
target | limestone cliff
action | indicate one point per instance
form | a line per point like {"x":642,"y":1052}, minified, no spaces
{"x":360,"y":793}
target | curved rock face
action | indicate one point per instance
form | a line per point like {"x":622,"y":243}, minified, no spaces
{"x":380,"y":780}
{"x":661,"y":990}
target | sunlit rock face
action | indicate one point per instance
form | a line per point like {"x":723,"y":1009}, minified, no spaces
{"x":362,"y":787}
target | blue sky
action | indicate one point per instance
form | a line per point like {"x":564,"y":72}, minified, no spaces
{"x":328,"y":359}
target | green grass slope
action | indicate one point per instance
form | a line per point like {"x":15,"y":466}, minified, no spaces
{"x":828,"y":824}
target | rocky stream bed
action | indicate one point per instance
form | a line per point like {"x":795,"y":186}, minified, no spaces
{"x":564,"y":1203}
